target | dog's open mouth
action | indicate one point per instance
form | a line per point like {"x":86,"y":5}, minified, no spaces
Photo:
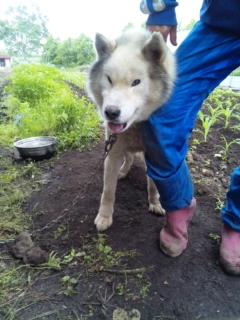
{"x":117,"y":127}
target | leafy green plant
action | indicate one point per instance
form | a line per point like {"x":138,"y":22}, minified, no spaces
{"x":207,"y":122}
{"x":54,"y":262}
{"x":34,"y":83}
{"x":215,"y":112}
{"x":227,"y":112}
{"x":73,"y":255}
{"x":40,"y":103}
{"x":227,"y":145}
{"x":69,"y":284}
{"x":100,"y":256}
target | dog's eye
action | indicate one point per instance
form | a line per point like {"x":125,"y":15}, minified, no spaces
{"x":109,"y":80}
{"x":135,"y":82}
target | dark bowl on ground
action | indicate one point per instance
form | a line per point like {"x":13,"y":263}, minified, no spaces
{"x":36,"y":148}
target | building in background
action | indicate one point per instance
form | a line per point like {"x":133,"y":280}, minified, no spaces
{"x":5,"y":62}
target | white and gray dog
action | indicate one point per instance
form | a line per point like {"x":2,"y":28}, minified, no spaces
{"x":132,"y":77}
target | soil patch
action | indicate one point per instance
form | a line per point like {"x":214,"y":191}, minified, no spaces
{"x":192,"y":286}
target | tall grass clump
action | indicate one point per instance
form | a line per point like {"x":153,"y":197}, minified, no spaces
{"x":39,"y":102}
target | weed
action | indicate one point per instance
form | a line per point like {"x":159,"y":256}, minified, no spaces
{"x":215,"y":237}
{"x":10,"y":279}
{"x":120,"y":289}
{"x":59,"y":233}
{"x":144,"y":289}
{"x":69,"y":284}
{"x":54,"y":262}
{"x":16,"y":182}
{"x":73,"y":255}
{"x":57,"y":263}
{"x":100,"y":256}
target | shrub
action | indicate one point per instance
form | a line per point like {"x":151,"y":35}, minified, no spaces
{"x":33,"y":83}
{"x":40,"y":103}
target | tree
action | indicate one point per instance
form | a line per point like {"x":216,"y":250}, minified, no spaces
{"x":50,"y":48}
{"x":24,"y":32}
{"x":69,"y":53}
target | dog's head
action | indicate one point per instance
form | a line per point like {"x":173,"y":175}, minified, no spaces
{"x":132,"y":77}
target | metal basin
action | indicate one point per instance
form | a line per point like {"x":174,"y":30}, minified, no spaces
{"x":36,"y":147}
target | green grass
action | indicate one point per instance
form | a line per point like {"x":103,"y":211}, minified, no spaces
{"x":16,"y":182}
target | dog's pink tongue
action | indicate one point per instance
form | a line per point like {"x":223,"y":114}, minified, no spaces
{"x":115,"y":127}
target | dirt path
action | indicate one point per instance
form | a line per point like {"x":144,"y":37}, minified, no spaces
{"x":192,"y":286}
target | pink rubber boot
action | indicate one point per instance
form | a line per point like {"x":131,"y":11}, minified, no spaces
{"x":174,"y":235}
{"x":230,"y":251}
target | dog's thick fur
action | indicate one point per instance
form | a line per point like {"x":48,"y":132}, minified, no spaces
{"x":132,"y":77}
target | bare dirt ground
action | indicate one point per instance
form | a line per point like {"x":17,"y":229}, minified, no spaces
{"x":192,"y":286}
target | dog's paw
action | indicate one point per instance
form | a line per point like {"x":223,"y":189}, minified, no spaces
{"x":103,"y":223}
{"x":157,"y":209}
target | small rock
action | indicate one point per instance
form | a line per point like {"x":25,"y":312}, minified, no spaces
{"x":24,"y":248}
{"x":207,"y":173}
{"x":35,"y":256}
{"x":23,"y":243}
{"x":196,"y":156}
{"x":193,"y":170}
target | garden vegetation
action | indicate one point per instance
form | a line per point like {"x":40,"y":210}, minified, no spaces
{"x":40,"y":102}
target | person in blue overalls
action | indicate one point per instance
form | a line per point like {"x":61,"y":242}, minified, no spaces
{"x":209,"y":53}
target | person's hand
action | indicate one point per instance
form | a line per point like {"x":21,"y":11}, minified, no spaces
{"x":166,"y":31}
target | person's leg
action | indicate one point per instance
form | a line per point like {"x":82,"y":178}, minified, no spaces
{"x":204,"y":59}
{"x":230,"y":242}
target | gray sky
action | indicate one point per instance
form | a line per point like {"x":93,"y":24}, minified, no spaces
{"x":69,"y":18}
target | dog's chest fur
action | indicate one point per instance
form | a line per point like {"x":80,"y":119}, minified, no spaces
{"x":130,"y":140}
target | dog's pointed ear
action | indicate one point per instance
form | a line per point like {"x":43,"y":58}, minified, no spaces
{"x":155,"y":48}
{"x":103,"y":46}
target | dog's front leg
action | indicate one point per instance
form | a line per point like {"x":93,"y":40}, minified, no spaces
{"x":112,"y":166}
{"x":126,"y":166}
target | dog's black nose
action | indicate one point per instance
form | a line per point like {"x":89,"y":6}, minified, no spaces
{"x":112,"y":113}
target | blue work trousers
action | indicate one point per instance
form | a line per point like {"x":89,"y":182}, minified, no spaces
{"x":204,"y":59}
